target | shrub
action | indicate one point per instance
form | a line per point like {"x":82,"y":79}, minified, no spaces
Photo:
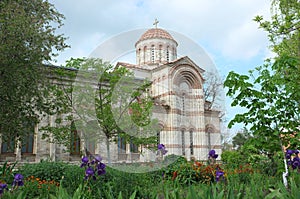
{"x":45,"y":170}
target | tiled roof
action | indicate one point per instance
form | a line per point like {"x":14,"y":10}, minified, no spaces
{"x":126,"y":65}
{"x":156,"y":33}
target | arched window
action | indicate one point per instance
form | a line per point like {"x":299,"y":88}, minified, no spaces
{"x":159,"y":53}
{"x":175,"y":53}
{"x":145,"y":53}
{"x":209,"y":130}
{"x":75,"y":140}
{"x":182,"y":142}
{"x":158,"y":137}
{"x":191,"y":142}
{"x":139,"y":56}
{"x":168,"y":54}
{"x":152,"y":54}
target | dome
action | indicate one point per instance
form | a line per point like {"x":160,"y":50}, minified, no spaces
{"x":156,"y":46}
{"x":156,"y":33}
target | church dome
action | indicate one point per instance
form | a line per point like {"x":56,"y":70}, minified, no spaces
{"x":155,"y":47}
{"x":156,"y":33}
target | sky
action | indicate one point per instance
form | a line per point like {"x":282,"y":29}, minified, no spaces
{"x":224,"y":29}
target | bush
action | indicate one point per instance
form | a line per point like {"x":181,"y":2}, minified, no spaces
{"x":44,"y":170}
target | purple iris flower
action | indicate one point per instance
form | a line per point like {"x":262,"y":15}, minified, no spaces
{"x":289,"y":151}
{"x":18,"y":180}
{"x":293,"y":159}
{"x":219,"y":174}
{"x":2,"y":188}
{"x":89,"y":172}
{"x":85,"y":161}
{"x":212,"y":154}
{"x":101,"y":169}
{"x":161,"y":148}
{"x":94,"y":166}
{"x":96,"y":159}
{"x":296,"y":162}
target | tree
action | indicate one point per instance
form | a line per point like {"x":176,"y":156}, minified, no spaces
{"x":27,"y":41}
{"x":270,"y":92}
{"x":212,"y":89}
{"x":116,"y":102}
{"x":241,"y":138}
{"x":272,"y":95}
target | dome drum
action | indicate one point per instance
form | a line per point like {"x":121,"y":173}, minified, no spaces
{"x":155,"y":46}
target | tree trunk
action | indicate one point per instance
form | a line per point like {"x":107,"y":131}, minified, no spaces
{"x":108,"y":151}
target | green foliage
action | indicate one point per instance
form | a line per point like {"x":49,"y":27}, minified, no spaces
{"x":38,"y":188}
{"x":241,"y":138}
{"x":241,"y":182}
{"x":6,"y":172}
{"x":116,"y":103}
{"x":45,"y":170}
{"x":232,"y":158}
{"x":271,"y":93}
{"x":27,"y":41}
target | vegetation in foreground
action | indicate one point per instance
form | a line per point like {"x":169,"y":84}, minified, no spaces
{"x":181,"y":179}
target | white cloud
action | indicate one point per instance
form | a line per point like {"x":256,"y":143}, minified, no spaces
{"x":244,"y":42}
{"x":226,"y":26}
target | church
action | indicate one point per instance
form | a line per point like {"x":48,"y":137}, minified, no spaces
{"x":186,"y":126}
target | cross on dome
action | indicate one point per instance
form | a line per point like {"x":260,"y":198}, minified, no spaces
{"x":155,"y":23}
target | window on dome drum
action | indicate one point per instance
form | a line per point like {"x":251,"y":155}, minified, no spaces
{"x":152,"y":54}
{"x":182,"y":142}
{"x":121,"y":145}
{"x":75,"y":141}
{"x":159,"y":53}
{"x":145,"y":53}
{"x":139,"y":56}
{"x":191,"y":142}
{"x":168,"y":54}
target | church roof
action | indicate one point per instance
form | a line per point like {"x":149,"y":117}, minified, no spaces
{"x":156,"y":33}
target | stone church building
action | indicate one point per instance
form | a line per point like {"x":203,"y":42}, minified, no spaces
{"x":187,"y":127}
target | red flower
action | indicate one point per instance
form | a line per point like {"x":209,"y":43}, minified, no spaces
{"x":174,"y":175}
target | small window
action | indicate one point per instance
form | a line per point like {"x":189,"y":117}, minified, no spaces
{"x":158,"y":137}
{"x":159,"y":53}
{"x":139,"y":56}
{"x":183,"y":142}
{"x":191,"y":142}
{"x":145,"y":53}
{"x":152,"y":54}
{"x":168,"y":56}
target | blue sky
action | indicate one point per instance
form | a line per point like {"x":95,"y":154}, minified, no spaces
{"x":224,"y":29}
